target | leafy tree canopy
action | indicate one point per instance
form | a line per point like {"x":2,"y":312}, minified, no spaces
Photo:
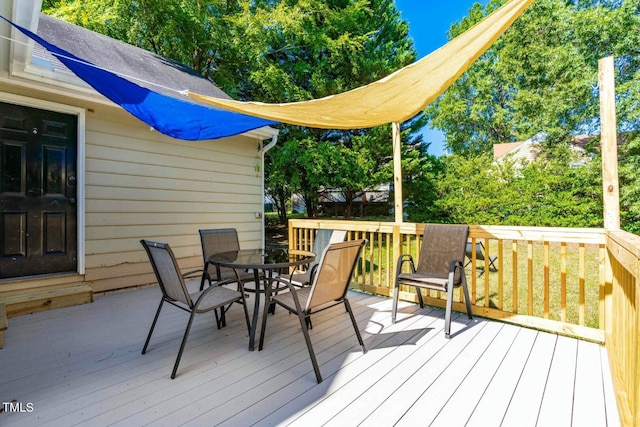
{"x":541,"y":75}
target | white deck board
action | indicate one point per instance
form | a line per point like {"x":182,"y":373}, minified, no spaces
{"x":82,"y":366}
{"x":437,"y":394}
{"x":589,"y":404}
{"x":557,"y":402}
{"x":354,"y":380}
{"x":527,"y":397}
{"x":493,"y":405}
{"x":457,"y":409}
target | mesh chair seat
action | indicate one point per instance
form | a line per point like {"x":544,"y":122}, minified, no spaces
{"x":213,"y":299}
{"x":424,"y":280}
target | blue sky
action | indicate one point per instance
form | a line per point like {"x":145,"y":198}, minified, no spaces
{"x":429,"y":21}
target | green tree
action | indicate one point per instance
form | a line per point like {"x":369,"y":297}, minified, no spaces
{"x":278,"y":184}
{"x":468,"y":188}
{"x":420,"y":173}
{"x":196,"y":33}
{"x":629,"y":171}
{"x":308,"y":49}
{"x":541,"y":76}
{"x":475,"y":189}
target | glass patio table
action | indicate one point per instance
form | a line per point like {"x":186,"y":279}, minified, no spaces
{"x":263,"y":263}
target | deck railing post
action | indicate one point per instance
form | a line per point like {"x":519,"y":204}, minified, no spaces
{"x":396,"y":251}
{"x":397,"y":173}
{"x":609,"y":144}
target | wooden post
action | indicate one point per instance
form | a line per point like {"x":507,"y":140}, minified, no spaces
{"x":397,"y":194}
{"x":609,"y":144}
{"x":397,"y":172}
{"x":627,"y":404}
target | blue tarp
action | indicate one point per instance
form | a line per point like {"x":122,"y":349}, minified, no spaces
{"x":170,"y":116}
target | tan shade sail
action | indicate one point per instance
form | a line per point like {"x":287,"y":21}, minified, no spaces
{"x":395,"y":98}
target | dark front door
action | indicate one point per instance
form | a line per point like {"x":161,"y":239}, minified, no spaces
{"x":37,"y":191}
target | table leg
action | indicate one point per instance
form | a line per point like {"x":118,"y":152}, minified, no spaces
{"x":256,"y":310}
{"x":267,"y":302}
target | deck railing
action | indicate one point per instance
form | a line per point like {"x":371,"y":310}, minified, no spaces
{"x":622,"y":322}
{"x":548,"y":278}
{"x":577,"y":282}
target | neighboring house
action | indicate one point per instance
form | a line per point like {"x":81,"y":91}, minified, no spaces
{"x":332,"y":202}
{"x":528,"y":151}
{"x":82,"y":181}
{"x":373,"y":202}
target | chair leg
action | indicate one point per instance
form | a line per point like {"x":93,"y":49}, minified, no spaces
{"x":355,"y":325}
{"x":419,"y":293}
{"x":223,"y":316}
{"x":307,"y":340}
{"x":218,"y":324}
{"x":394,"y":304}
{"x":205,"y":276}
{"x":447,"y":312}
{"x":467,"y":300}
{"x":268,"y":303}
{"x":246,"y":311}
{"x":183,"y":344}
{"x":153,"y":325}
{"x":264,"y":325}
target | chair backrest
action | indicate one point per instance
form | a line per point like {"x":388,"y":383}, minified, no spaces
{"x":324,"y":238}
{"x":337,"y":264}
{"x":218,"y":240}
{"x":167,"y":271}
{"x":442,"y":244}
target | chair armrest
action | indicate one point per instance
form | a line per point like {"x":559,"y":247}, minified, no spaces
{"x":190,"y":273}
{"x":294,"y":294}
{"x":452,"y":269}
{"x":313,"y":273}
{"x":454,"y":264}
{"x":401,"y":260}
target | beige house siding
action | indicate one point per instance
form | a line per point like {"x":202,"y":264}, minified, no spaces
{"x":138,"y":183}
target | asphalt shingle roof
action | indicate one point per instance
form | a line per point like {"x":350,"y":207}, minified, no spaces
{"x":137,"y":65}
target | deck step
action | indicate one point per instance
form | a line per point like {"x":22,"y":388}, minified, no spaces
{"x":33,"y":301}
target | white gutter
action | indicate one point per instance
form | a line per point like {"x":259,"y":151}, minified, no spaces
{"x":265,"y":148}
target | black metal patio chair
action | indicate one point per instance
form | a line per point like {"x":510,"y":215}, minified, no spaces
{"x":214,"y":241}
{"x":175,"y":292}
{"x":440,"y":267}
{"x":328,"y":288}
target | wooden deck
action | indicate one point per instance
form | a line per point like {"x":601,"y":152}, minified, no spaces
{"x":82,"y":366}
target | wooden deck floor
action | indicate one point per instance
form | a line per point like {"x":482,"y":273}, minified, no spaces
{"x":82,"y":366}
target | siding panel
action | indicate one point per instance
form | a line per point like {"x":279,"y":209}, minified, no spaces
{"x":141,"y":184}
